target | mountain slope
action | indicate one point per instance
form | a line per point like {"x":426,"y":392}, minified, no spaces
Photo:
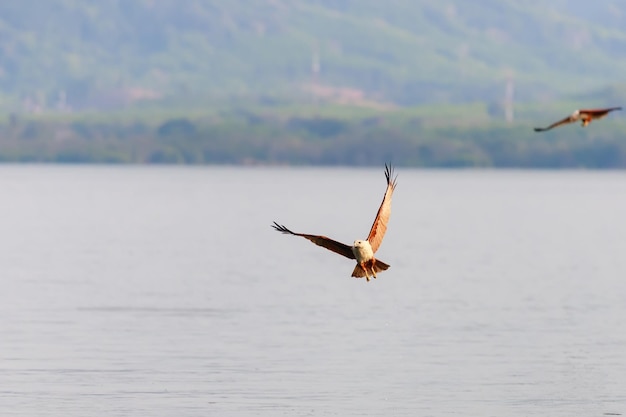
{"x":403,"y":51}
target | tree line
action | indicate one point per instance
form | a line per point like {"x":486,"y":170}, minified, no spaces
{"x":311,"y":140}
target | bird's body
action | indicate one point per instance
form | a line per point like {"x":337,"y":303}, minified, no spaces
{"x":361,"y":250}
{"x":584,"y":115}
{"x":365,"y":260}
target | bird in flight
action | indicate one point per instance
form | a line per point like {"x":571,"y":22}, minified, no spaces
{"x":361,"y":250}
{"x":584,"y":115}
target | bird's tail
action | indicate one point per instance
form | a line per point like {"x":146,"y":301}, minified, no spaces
{"x":378,"y":267}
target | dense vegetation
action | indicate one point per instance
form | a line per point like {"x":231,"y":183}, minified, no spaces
{"x":331,"y":135}
{"x":105,"y":53}
{"x":310,"y":81}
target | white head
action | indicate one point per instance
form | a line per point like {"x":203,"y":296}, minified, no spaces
{"x":362,"y":250}
{"x":575,"y":114}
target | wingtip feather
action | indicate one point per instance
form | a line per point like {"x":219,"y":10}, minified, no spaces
{"x":389,"y":174}
{"x":282,"y":229}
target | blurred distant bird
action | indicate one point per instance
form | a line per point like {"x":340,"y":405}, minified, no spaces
{"x":362,"y":250}
{"x":585,"y":116}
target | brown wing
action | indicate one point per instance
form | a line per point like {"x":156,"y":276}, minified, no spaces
{"x":379,"y":227}
{"x":322,"y":241}
{"x":597,"y":113}
{"x":568,"y":119}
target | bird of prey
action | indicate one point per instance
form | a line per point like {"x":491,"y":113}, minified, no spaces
{"x":584,"y":115}
{"x":361,"y":250}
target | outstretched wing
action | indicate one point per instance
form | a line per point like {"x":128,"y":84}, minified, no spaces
{"x":568,"y":119}
{"x":379,"y":227}
{"x":322,"y":241}
{"x":597,"y":113}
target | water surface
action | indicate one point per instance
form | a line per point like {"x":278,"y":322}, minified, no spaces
{"x":138,"y":291}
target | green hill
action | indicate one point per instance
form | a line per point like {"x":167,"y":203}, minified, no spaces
{"x":92,"y":53}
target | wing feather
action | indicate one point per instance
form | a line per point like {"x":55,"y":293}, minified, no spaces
{"x":379,"y":227}
{"x":322,"y":241}
{"x":598,"y":112}
{"x":568,"y":119}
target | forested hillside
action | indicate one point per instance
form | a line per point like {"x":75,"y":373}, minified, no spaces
{"x":106,"y":53}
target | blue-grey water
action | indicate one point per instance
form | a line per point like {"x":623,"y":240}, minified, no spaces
{"x":144,"y":291}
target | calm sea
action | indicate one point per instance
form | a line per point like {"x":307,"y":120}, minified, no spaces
{"x":145,"y":291}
